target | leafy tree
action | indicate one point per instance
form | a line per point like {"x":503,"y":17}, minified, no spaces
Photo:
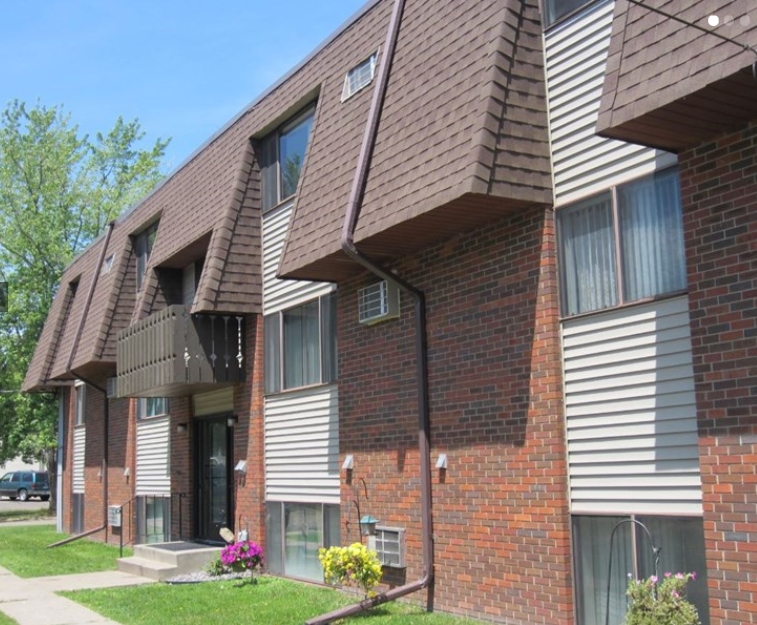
{"x":58,"y":190}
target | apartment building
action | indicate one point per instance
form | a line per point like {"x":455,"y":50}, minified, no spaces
{"x":482,"y":271}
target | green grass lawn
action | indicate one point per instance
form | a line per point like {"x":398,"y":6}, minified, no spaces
{"x":271,"y":600}
{"x":23,"y":551}
{"x":6,"y":620}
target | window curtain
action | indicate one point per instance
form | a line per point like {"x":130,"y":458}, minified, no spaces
{"x":652,"y":236}
{"x":272,"y":366}
{"x":591,"y":544}
{"x":302,"y":346}
{"x":588,"y":256}
{"x":682,"y":542}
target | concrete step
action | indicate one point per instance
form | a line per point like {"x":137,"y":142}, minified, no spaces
{"x":146,"y":568}
{"x":165,"y":560}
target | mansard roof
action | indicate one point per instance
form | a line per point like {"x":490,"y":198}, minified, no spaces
{"x":670,"y":85}
{"x":462,"y":138}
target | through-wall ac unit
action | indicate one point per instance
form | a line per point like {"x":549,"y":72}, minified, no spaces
{"x":378,"y":302}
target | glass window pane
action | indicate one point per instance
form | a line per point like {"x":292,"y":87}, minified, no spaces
{"x":587,"y":256}
{"x":555,"y":9}
{"x":293,"y":143}
{"x":272,"y":353}
{"x":328,"y":336}
{"x":274,"y":562}
{"x":591,"y":549}
{"x":332,"y":528}
{"x":652,"y":236}
{"x":302,"y":352}
{"x":682,"y":542}
{"x":303,"y":536}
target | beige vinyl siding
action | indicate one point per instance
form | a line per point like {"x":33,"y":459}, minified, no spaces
{"x":220,"y":401}
{"x":630,"y":411}
{"x":302,"y":446}
{"x":153,"y":449}
{"x":301,"y":427}
{"x":584,"y":163}
{"x":283,"y":294}
{"x":80,"y":445}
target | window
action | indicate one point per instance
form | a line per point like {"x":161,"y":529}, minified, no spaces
{"x":557,"y":9}
{"x":143,"y":244}
{"x":389,"y":544}
{"x":77,"y":510}
{"x":294,"y":533}
{"x":107,"y":265}
{"x":281,"y":157}
{"x":300,"y":345}
{"x":622,"y":246}
{"x":682,"y":542}
{"x":359,"y":77}
{"x":151,"y":407}
{"x":80,"y":400}
{"x":153,"y":519}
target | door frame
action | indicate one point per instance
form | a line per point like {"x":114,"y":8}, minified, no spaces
{"x":201,"y":523}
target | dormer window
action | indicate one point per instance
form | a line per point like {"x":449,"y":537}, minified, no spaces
{"x":143,"y":243}
{"x":281,"y":156}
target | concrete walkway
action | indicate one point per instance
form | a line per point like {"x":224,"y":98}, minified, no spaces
{"x":34,"y":602}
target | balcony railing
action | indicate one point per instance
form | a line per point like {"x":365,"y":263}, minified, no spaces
{"x":172,"y":354}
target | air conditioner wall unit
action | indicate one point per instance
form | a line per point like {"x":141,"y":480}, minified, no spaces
{"x":378,"y":302}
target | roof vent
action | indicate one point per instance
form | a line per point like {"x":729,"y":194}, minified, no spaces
{"x":359,"y":77}
{"x":378,"y":302}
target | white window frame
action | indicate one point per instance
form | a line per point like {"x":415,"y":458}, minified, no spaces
{"x":275,"y":350}
{"x":143,"y":405}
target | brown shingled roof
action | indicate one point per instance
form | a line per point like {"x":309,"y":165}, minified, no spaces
{"x":669,"y":85}
{"x":463,"y":134}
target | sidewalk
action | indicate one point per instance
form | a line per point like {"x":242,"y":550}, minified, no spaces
{"x":34,"y":602}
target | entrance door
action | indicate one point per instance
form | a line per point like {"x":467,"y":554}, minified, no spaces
{"x":213,"y":485}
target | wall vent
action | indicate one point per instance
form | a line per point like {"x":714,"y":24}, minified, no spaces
{"x":378,"y":302}
{"x":359,"y":77}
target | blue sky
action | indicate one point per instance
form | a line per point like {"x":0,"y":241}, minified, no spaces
{"x":183,"y":67}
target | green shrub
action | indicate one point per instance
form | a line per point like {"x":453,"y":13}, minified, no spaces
{"x":354,"y":565}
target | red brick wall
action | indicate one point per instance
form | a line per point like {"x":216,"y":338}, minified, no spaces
{"x":248,"y":437}
{"x":500,"y":510}
{"x":719,"y":197}
{"x":94,"y":422}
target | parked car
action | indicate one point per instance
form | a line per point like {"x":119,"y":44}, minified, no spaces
{"x":24,"y":484}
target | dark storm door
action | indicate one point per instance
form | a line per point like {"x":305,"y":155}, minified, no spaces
{"x":214,"y":504}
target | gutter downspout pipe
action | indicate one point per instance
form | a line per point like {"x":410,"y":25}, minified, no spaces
{"x":349,"y":247}
{"x":70,"y":371}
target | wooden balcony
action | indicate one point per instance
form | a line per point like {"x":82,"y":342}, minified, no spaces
{"x":173,"y":354}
